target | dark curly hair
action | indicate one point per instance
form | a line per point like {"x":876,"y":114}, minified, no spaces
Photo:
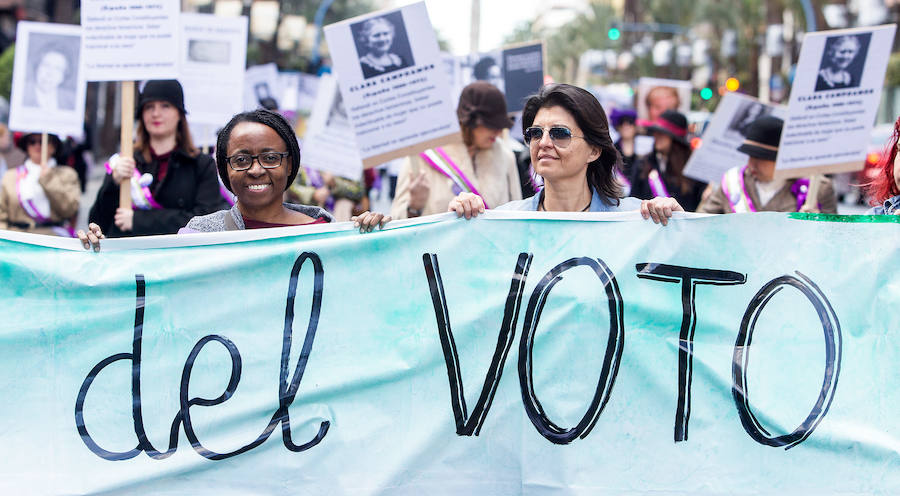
{"x":591,"y":118}
{"x":265,"y":117}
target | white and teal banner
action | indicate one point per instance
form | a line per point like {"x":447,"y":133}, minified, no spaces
{"x":511,"y":354}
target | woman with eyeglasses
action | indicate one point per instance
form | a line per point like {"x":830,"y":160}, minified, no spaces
{"x":258,"y":157}
{"x":36,"y":197}
{"x":482,"y":164}
{"x":567,"y":133}
{"x":171,"y":181}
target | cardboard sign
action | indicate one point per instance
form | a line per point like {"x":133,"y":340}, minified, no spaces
{"x":393,"y":85}
{"x":328,"y":144}
{"x":211,"y":70}
{"x":725,"y":133}
{"x":130,"y":40}
{"x":48,"y":86}
{"x":658,"y":95}
{"x":834,"y":101}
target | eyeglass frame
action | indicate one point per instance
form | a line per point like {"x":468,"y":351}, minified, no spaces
{"x":548,"y":130}
{"x":282,"y":155}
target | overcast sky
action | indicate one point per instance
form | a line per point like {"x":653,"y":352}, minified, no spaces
{"x":498,"y":19}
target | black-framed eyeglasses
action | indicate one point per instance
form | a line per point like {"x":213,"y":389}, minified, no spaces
{"x":560,"y":136}
{"x":268,"y":160}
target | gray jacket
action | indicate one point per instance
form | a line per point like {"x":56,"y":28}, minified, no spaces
{"x":218,"y":222}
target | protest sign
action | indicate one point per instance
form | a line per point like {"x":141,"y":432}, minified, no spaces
{"x":505,"y":355}
{"x":834,"y":101}
{"x":655,"y":96}
{"x":328,"y":144}
{"x":211,"y":71}
{"x":129,"y":40}
{"x":47,"y":86}
{"x":393,"y":84}
{"x":516,"y":70}
{"x":262,"y":87}
{"x":289,"y":82}
{"x":724,"y":134}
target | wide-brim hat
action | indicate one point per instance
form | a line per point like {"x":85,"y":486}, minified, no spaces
{"x":762,"y":138}
{"x":672,"y":123}
{"x":483,"y":104}
{"x":21,"y":140}
{"x":167,"y":90}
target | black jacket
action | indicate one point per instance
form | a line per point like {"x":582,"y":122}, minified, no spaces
{"x":191,"y":187}
{"x":640,"y":185}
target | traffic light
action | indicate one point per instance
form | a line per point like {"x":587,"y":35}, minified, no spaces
{"x":706,"y":93}
{"x":614,"y":34}
{"x":732,"y":84}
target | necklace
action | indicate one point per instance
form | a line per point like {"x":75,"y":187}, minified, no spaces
{"x":542,"y":209}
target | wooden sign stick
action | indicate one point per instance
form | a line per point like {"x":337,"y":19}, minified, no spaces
{"x":44,"y":150}
{"x":126,"y":147}
{"x":812,"y":194}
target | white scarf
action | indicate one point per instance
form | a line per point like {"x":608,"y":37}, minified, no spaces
{"x":31,"y":194}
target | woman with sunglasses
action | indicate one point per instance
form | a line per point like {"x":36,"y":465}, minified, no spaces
{"x":568,"y":137}
{"x":482,"y":164}
{"x":36,"y":197}
{"x":171,"y":181}
{"x":258,"y":157}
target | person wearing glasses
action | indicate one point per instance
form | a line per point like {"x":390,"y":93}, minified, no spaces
{"x":171,"y":181}
{"x":36,"y":197}
{"x":567,"y":133}
{"x":258,"y":157}
{"x":482,"y":164}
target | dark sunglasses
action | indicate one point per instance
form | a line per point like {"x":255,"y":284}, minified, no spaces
{"x":33,"y":141}
{"x":560,"y":136}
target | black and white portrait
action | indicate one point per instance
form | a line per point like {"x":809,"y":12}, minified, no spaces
{"x":747,"y":112}
{"x":382,"y":44}
{"x":337,"y":114}
{"x":487,"y":68}
{"x":842,"y":61}
{"x":209,"y":51}
{"x":52,"y":72}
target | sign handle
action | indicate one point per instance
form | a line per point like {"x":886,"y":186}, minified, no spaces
{"x":812,"y":194}
{"x":126,"y":147}
{"x":44,"y":150}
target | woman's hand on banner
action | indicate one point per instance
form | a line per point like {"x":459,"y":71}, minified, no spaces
{"x":660,"y":209}
{"x":367,"y":221}
{"x":122,"y":168}
{"x":466,"y":205}
{"x":124,"y":218}
{"x":91,"y":239}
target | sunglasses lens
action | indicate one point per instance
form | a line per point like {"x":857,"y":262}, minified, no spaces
{"x":533,"y":133}
{"x":560,"y":135}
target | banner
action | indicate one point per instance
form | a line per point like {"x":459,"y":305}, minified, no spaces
{"x":834,"y":100}
{"x":516,"y":353}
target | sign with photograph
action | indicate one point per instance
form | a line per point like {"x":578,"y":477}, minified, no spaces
{"x":725,"y":133}
{"x":655,"y":96}
{"x":130,"y":40}
{"x":262,"y":87}
{"x":328,"y":144}
{"x":212,"y":45}
{"x":48,"y":86}
{"x":393,"y":84}
{"x":834,"y":101}
{"x":518,"y":71}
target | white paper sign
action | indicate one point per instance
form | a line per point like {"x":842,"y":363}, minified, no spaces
{"x":48,"y":86}
{"x":517,"y":71}
{"x":726,"y":132}
{"x":130,"y":40}
{"x":394,"y":86}
{"x":211,"y":69}
{"x":261,"y":86}
{"x":329,"y":144}
{"x":658,"y":95}
{"x":834,"y":101}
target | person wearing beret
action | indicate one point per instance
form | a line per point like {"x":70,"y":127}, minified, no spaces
{"x":482,"y":164}
{"x":171,"y":181}
{"x":39,"y":198}
{"x":660,"y":173}
{"x":753,"y":188}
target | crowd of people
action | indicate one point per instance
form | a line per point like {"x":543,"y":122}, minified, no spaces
{"x":567,"y":162}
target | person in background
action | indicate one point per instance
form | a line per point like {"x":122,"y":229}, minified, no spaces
{"x":884,"y":189}
{"x":11,"y":156}
{"x":753,"y":187}
{"x":338,"y":195}
{"x":624,"y":123}
{"x":660,"y":173}
{"x":171,"y":181}
{"x":36,"y":198}
{"x":568,"y":136}
{"x":482,"y":164}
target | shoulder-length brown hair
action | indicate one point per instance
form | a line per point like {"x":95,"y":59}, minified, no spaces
{"x":183,"y":139}
{"x":591,"y":118}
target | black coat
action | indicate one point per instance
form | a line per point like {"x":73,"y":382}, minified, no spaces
{"x":640,"y":185}
{"x":191,"y":187}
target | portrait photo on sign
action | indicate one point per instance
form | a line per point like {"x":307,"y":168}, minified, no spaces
{"x":209,"y":51}
{"x":382,"y":44}
{"x":52,"y":72}
{"x":843,"y":61}
{"x":747,"y":112}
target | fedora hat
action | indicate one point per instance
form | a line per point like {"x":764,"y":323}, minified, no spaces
{"x":672,"y":123}
{"x":763,"y":136}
